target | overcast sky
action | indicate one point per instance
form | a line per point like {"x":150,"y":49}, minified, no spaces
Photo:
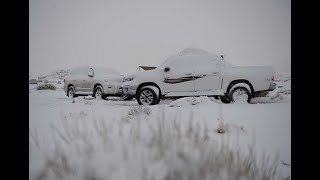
{"x":125,"y":34}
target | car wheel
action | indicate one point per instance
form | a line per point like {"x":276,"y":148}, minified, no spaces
{"x":98,"y":92}
{"x":240,"y":94}
{"x":147,"y":96}
{"x":71,"y":92}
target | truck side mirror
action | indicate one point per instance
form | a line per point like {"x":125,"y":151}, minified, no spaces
{"x":166,"y":69}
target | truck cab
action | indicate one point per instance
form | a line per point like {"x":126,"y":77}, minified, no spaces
{"x":198,"y":75}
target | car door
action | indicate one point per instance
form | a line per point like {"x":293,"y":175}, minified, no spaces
{"x":207,"y":75}
{"x":180,"y":76}
{"x":81,"y":78}
{"x":88,"y":80}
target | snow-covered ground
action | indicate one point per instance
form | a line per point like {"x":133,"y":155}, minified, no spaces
{"x":87,"y":138}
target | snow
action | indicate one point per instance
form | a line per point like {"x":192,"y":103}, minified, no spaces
{"x":191,"y":53}
{"x":195,"y":51}
{"x":112,"y":139}
{"x":191,"y":101}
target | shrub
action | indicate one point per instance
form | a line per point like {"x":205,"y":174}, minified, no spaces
{"x":47,"y":86}
{"x":136,"y":111}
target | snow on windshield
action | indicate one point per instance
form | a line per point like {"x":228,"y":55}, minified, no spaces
{"x":104,"y":71}
{"x":193,"y":53}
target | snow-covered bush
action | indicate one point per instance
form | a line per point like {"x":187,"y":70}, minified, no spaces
{"x":222,"y":128}
{"x":154,"y":148}
{"x":138,"y":110}
{"x":46,"y":86}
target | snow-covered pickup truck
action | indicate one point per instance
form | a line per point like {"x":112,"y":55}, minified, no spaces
{"x":199,"y":75}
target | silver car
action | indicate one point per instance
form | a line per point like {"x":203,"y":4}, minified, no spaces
{"x":96,"y":81}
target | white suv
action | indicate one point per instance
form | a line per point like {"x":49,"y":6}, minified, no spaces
{"x":96,"y":81}
{"x":202,"y":74}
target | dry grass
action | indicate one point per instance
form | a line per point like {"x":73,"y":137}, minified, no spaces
{"x":86,"y":148}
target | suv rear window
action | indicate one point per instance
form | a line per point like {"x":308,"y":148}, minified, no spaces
{"x":82,"y":70}
{"x":105,"y":71}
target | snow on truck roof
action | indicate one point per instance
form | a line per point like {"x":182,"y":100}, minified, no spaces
{"x":188,"y":52}
{"x":192,"y":52}
{"x":196,"y":52}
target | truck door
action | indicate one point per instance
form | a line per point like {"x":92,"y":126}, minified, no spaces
{"x":180,"y":76}
{"x":207,"y":76}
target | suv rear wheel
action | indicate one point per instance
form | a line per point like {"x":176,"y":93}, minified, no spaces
{"x":71,"y":92}
{"x":98,"y":93}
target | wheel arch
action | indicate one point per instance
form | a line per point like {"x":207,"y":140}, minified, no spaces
{"x":234,"y":82}
{"x":70,"y":85}
{"x":97,"y":84}
{"x":149,"y":84}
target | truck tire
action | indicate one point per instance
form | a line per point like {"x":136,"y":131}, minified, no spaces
{"x":239,"y":93}
{"x":147,"y":96}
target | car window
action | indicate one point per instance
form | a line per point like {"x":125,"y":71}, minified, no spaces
{"x":207,"y":65}
{"x":182,"y":64}
{"x":105,"y":71}
{"x":80,"y":71}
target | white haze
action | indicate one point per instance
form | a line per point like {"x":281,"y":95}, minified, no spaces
{"x":124,"y":34}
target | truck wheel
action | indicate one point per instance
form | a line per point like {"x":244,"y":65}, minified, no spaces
{"x":147,"y":96}
{"x":71,"y":92}
{"x":240,"y":94}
